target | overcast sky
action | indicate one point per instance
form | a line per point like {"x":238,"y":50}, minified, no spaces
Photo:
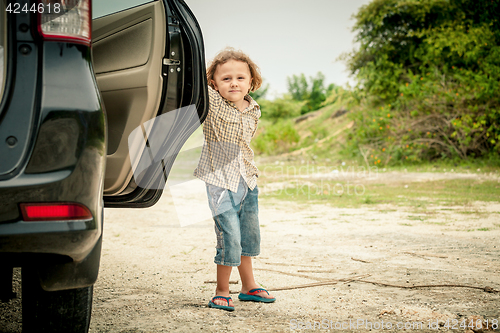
{"x":284,"y":37}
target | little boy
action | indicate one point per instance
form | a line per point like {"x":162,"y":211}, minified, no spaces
{"x":228,"y":169}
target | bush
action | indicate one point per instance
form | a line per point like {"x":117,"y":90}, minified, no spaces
{"x":276,"y":139}
{"x":429,"y":76}
{"x":430,"y":120}
{"x":281,"y":108}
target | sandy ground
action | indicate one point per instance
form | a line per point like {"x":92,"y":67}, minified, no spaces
{"x":155,"y":274}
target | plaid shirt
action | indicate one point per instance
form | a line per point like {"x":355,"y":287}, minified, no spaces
{"x":226,"y":152}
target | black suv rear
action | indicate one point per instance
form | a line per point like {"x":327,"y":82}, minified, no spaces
{"x":72,"y":90}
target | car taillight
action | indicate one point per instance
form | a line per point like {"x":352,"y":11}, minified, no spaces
{"x":65,"y":20}
{"x":54,"y":211}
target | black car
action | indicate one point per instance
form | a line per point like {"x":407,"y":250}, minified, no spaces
{"x":72,"y":91}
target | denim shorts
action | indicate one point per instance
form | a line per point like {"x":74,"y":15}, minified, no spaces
{"x":236,"y":216}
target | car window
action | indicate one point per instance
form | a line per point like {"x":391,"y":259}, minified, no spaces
{"x":106,"y":7}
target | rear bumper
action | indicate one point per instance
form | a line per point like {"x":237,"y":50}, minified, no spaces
{"x":58,"y":272}
{"x":79,"y":183}
{"x":64,"y":254}
{"x":73,"y":239}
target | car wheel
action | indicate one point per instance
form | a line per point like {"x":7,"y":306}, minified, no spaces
{"x":65,"y":311}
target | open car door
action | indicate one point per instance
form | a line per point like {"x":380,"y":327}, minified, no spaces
{"x":149,"y":63}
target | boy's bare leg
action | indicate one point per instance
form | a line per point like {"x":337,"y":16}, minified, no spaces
{"x":247,"y":280}
{"x":223,"y":275}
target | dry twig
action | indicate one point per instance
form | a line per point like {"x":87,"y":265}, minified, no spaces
{"x":314,"y":284}
{"x":426,"y":255}
{"x":366,"y":262}
{"x":285,"y":264}
{"x":293,"y":274}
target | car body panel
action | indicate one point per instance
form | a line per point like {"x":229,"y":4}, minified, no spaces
{"x":71,"y":114}
{"x":3,"y":46}
{"x":23,"y":94}
{"x":66,"y":163}
{"x":59,"y":156}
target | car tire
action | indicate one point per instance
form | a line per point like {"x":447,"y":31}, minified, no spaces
{"x":65,"y":311}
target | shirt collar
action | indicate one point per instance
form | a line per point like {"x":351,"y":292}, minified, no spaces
{"x":253,"y":104}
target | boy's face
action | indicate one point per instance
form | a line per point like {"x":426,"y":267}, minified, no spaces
{"x":233,"y":80}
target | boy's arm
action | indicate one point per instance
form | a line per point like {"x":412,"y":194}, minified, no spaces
{"x":256,"y":122}
{"x":214,"y":100}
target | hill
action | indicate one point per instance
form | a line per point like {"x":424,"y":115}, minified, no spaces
{"x":318,"y":135}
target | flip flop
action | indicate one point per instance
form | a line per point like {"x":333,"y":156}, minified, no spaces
{"x":251,"y":296}
{"x":211,"y":304}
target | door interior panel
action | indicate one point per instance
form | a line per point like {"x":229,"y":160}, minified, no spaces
{"x":125,"y":103}
{"x":128,"y":48}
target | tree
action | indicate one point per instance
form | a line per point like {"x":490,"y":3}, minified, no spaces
{"x":395,"y":37}
{"x":428,"y":75}
{"x":313,"y":93}
{"x":318,"y":91}
{"x":298,"y":87}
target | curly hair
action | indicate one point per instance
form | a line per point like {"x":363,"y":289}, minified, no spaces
{"x":230,"y":53}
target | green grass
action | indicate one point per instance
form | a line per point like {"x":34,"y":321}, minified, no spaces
{"x":315,"y":154}
{"x":415,"y":218}
{"x":473,"y":212}
{"x":437,"y":223}
{"x":453,"y":192}
{"x":368,"y":200}
{"x":274,"y":138}
{"x":319,"y":151}
{"x":188,"y":252}
{"x":314,"y":147}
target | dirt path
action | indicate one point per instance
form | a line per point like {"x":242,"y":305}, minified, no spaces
{"x":153,"y":272}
